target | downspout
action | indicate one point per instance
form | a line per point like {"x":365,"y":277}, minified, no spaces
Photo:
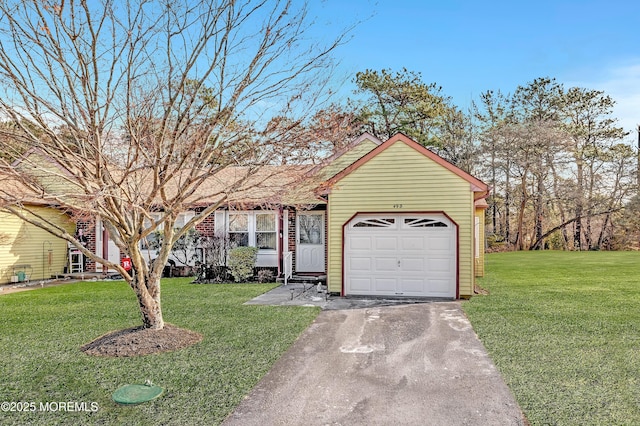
{"x":280,"y":246}
{"x":49,"y":257}
{"x":105,"y":247}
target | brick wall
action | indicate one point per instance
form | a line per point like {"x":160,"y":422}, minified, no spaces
{"x":291,"y":238}
{"x":89,"y":229}
{"x":207,"y":227}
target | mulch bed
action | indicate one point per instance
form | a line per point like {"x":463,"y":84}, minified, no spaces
{"x":141,"y":341}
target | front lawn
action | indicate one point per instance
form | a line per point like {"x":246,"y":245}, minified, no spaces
{"x":564,"y":330}
{"x":41,"y":363}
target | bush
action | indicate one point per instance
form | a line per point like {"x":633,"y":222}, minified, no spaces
{"x":242,"y":260}
{"x":265,"y":276}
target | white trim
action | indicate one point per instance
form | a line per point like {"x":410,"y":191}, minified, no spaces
{"x":311,"y":257}
{"x":285,"y":231}
{"x":266,"y":257}
{"x":477,"y":236}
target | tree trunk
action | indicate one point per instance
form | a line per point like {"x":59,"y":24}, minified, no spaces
{"x":520,"y":225}
{"x":568,"y":222}
{"x":603,"y":230}
{"x":507,"y":208}
{"x":494,"y":207}
{"x":563,"y":216}
{"x":577,"y":234}
{"x":539,"y":211}
{"x":148,"y":293}
{"x":588,"y":233}
{"x":145,"y":282}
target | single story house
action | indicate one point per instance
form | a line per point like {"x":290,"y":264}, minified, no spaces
{"x":379,"y":219}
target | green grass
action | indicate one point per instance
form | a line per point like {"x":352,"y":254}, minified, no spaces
{"x":564,"y":330}
{"x":42,"y":331}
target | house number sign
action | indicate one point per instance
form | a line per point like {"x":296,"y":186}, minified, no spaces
{"x":397,"y":206}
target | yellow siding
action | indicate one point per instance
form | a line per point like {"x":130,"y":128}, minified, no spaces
{"x":348,"y":158}
{"x":398,"y":180}
{"x":480,"y":243}
{"x":50,"y":176}
{"x":24,"y":244}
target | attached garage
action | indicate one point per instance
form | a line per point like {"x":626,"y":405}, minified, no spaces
{"x":401,"y":222}
{"x":407,"y":255}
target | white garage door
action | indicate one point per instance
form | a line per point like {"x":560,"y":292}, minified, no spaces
{"x":400,"y":255}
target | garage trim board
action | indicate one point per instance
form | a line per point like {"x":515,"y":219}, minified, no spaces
{"x":401,"y":255}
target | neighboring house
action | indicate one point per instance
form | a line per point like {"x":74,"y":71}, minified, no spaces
{"x":379,"y":219}
{"x":27,"y":252}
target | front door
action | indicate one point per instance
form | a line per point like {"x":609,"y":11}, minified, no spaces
{"x":106,"y":247}
{"x":310,"y":242}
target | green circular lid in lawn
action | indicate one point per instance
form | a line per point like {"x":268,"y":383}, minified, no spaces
{"x":136,"y":394}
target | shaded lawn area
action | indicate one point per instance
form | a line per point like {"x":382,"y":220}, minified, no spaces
{"x":564,"y":330}
{"x":42,"y":331}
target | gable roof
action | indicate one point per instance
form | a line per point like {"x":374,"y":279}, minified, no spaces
{"x":285,"y":185}
{"x":477,"y":185}
{"x":346,"y":155}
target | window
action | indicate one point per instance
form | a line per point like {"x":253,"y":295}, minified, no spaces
{"x":310,"y":227}
{"x":375,"y":223}
{"x":238,"y":229}
{"x":152,"y":241}
{"x":424,"y":223}
{"x":266,"y":231}
{"x":253,"y":228}
{"x":183,"y":218}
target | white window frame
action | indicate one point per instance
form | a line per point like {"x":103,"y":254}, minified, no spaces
{"x":252,"y":227}
{"x":181,"y":220}
{"x":246,"y":230}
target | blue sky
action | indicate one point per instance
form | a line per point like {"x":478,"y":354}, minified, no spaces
{"x":468,"y":47}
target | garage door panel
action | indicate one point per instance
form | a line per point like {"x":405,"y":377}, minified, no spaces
{"x":361,"y":285}
{"x":385,"y":285}
{"x":416,"y":258}
{"x":387,"y":264}
{"x":439,"y":286}
{"x":412,"y":285}
{"x":440,"y":264}
{"x":415,"y":264}
{"x":360,"y":242}
{"x":360,"y":264}
{"x":440,"y":242}
{"x":408,"y":242}
{"x":386,"y":243}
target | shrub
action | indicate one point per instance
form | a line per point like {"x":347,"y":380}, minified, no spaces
{"x":265,"y":276}
{"x":242,"y":260}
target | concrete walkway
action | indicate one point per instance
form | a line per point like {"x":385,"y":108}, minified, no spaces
{"x":299,"y":294}
{"x":410,"y":364}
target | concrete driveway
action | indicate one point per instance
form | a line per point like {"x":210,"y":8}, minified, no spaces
{"x":418,"y":364}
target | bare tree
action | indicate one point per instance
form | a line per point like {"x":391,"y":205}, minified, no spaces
{"x":558,"y":156}
{"x":538,"y":107}
{"x":592,"y":132}
{"x":317,"y":137}
{"x":137,"y":105}
{"x":492,"y":114}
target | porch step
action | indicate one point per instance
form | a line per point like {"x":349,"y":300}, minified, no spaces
{"x":305,"y":279}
